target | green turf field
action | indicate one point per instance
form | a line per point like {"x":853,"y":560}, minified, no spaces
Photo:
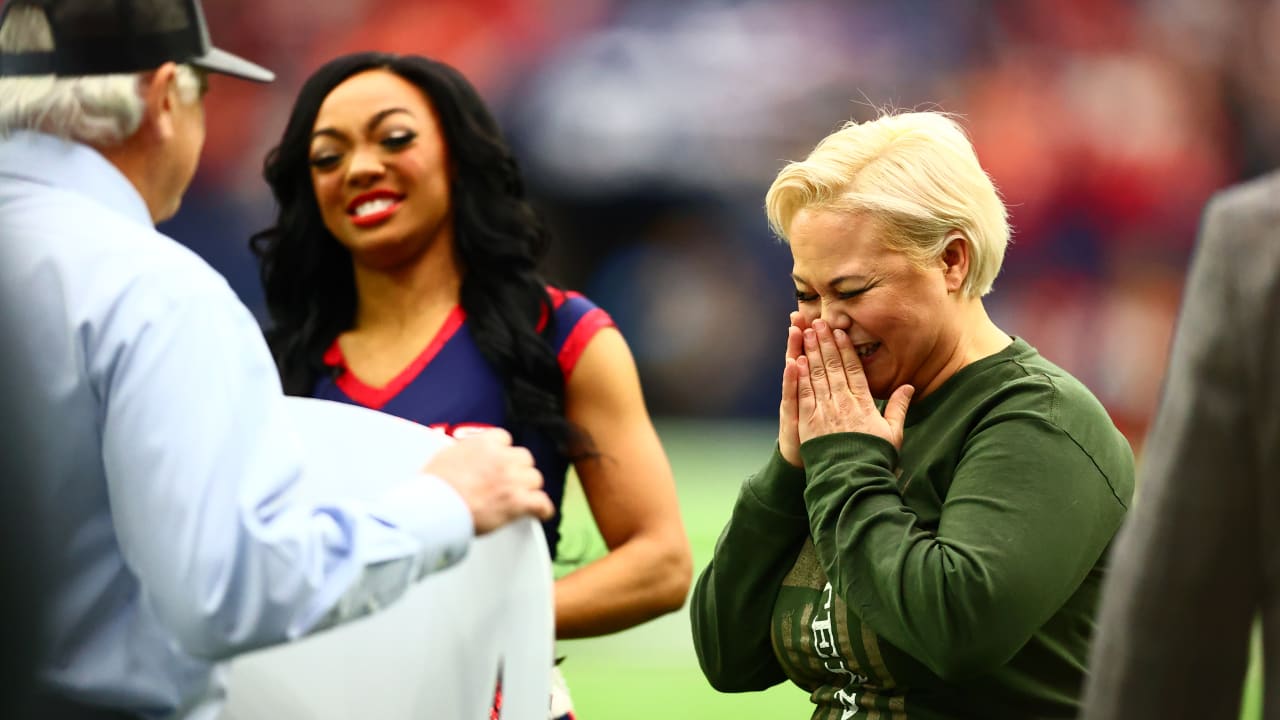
{"x":650,"y":671}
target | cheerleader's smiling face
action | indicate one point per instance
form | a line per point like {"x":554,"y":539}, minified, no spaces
{"x":380,"y":170}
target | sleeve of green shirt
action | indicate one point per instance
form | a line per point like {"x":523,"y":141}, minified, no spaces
{"x":1026,"y":516}
{"x":733,"y":598}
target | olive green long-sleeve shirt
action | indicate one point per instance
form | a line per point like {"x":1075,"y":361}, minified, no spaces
{"x":955,"y":579}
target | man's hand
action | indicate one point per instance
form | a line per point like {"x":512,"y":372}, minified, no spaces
{"x":497,"y":480}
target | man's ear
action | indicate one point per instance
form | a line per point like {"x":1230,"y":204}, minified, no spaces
{"x":955,"y":261}
{"x":159,"y":96}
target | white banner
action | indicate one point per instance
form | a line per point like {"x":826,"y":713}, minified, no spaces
{"x":438,"y":651}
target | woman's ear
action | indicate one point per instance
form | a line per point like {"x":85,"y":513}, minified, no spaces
{"x":159,"y":95}
{"x":955,"y":261}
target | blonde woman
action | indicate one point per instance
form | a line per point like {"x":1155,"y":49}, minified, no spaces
{"x":927,"y":539}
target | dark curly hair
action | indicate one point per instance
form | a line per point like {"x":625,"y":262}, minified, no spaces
{"x":308,"y":276}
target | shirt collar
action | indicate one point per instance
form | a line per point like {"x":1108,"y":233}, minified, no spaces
{"x":71,"y":166}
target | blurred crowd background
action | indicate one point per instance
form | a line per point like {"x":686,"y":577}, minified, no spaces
{"x":649,"y":131}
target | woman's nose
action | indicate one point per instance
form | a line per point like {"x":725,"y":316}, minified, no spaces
{"x":835,"y":317}
{"x":365,"y":167}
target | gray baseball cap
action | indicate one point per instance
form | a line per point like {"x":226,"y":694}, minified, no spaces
{"x":101,"y":37}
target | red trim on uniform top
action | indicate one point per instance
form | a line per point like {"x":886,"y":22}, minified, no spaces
{"x":376,"y":397}
{"x":593,"y":322}
{"x":333,"y":356}
{"x":558,"y":297}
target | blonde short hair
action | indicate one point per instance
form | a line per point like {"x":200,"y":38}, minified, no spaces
{"x":916,"y":172}
{"x":100,"y":110}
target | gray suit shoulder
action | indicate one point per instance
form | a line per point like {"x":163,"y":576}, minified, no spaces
{"x":1253,"y":202}
{"x":1238,"y":276}
{"x":1238,"y":234}
{"x":1262,"y":189}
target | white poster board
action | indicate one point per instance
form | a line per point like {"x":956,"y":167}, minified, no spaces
{"x":436,"y":652}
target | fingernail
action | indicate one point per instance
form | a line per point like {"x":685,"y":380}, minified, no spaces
{"x":819,"y":324}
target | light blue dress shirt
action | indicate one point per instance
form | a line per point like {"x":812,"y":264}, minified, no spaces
{"x":166,"y":458}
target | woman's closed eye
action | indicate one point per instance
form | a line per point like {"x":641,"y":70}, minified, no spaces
{"x":803,"y":296}
{"x":325,"y":160}
{"x":393,"y":142}
{"x":399,"y":139}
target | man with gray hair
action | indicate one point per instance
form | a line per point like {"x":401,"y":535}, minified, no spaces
{"x":163,"y":452}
